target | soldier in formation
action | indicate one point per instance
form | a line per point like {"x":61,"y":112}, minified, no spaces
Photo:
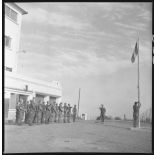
{"x":60,"y":119}
{"x":20,"y":112}
{"x":65,"y":113}
{"x":136,"y":108}
{"x":74,"y":113}
{"x":68,"y":113}
{"x":39,"y":113}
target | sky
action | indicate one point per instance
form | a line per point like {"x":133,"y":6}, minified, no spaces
{"x":89,"y":46}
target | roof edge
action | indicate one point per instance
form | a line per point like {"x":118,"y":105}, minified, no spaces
{"x":18,"y":8}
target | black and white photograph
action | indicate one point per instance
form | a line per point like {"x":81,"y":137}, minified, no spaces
{"x":78,"y":77}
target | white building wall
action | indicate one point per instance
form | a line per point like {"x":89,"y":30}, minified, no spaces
{"x":12,"y":29}
{"x":19,"y":82}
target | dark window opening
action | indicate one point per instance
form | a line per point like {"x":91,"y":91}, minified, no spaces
{"x":8,"y":69}
{"x":7,"y":41}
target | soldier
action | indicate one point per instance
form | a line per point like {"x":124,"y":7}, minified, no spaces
{"x":21,"y":110}
{"x":17,"y":112}
{"x":74,"y":113}
{"x":48,"y":112}
{"x":68,"y":113}
{"x":31,"y":114}
{"x":136,"y":108}
{"x":27,"y":112}
{"x":43,"y":113}
{"x":65,"y":113}
{"x":102,"y":114}
{"x":53,"y":112}
{"x":36,"y":111}
{"x":39,"y":112}
{"x":60,"y":119}
{"x":57,"y":113}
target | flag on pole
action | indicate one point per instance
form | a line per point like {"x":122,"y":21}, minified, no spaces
{"x":135,"y":52}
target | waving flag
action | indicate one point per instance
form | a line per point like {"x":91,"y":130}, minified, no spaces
{"x":135,"y":52}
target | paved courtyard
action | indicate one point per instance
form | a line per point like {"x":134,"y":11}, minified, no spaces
{"x":81,"y":136}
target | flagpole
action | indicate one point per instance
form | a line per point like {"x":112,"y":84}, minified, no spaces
{"x":138,"y":84}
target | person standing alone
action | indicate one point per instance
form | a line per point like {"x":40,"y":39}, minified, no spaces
{"x":102,"y":114}
{"x":136,"y":108}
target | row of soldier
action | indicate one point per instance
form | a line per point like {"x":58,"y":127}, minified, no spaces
{"x":37,"y":113}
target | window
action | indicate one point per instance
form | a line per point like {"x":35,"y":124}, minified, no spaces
{"x":7,"y":41}
{"x":8,"y":69}
{"x":11,"y":13}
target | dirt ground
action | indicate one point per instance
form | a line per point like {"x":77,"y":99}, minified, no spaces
{"x":81,"y":136}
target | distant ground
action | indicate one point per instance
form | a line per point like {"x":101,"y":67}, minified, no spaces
{"x":81,"y":136}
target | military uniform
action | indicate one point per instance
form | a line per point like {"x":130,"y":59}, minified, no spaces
{"x":136,"y":108}
{"x":65,"y":113}
{"x":74,"y":113}
{"x":51,"y":119}
{"x":36,"y":113}
{"x":43,"y":113}
{"x":17,"y":112}
{"x":39,"y":113}
{"x":60,"y":119}
{"x":57,"y":113}
{"x":68,"y":113}
{"x":102,"y":115}
{"x":31,"y":113}
{"x":54,"y":112}
{"x":48,"y":113}
{"x":27,"y":112}
{"x":20,"y":115}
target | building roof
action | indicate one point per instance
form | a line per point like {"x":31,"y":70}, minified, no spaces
{"x":18,"y":8}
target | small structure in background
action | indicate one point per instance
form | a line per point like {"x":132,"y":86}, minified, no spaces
{"x":84,"y":116}
{"x":124,"y":117}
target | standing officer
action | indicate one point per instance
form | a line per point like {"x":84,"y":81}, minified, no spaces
{"x":60,"y":120}
{"x":102,"y":114}
{"x":74,"y":113}
{"x":136,"y":108}
{"x":68,"y":113}
{"x":65,"y":113}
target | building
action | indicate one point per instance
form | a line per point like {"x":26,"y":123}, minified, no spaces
{"x":19,"y":86}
